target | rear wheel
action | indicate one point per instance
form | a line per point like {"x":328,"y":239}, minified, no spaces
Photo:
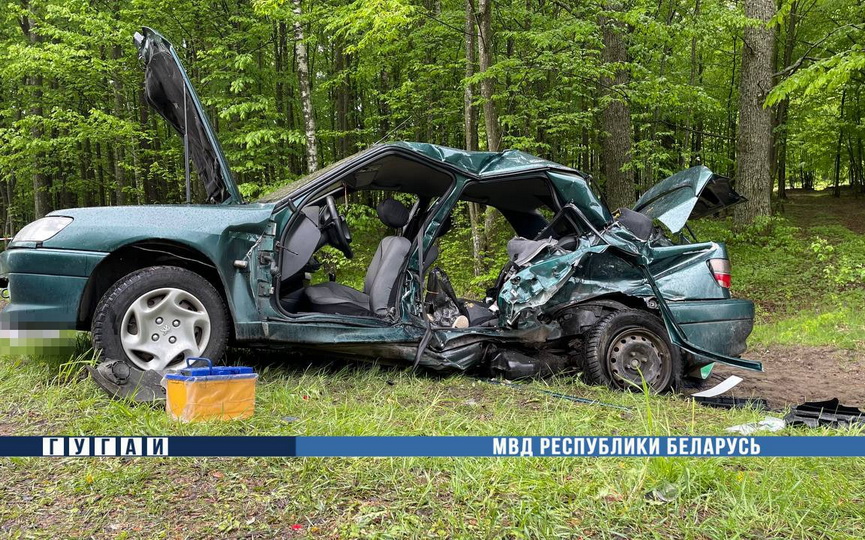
{"x":627,"y":347}
{"x":156,"y":317}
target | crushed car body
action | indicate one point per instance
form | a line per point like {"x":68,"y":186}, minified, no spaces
{"x":612,"y":293}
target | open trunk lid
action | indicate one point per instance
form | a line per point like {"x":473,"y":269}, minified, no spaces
{"x":168,"y":90}
{"x":689,"y":194}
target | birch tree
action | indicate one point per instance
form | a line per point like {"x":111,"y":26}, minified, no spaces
{"x":305,"y":90}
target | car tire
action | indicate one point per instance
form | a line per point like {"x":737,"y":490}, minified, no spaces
{"x":627,"y":346}
{"x":181,"y":315}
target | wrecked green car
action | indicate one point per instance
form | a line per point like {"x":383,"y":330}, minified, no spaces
{"x":624,"y":296}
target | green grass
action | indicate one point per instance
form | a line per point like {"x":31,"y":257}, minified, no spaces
{"x":839,"y":322}
{"x":406,"y":497}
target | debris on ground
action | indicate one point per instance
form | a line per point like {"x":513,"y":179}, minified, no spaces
{"x":712,"y":397}
{"x":576,"y":399}
{"x":664,"y":493}
{"x":720,"y":388}
{"x":725,"y":402}
{"x":824,"y":413}
{"x":829,"y":413}
{"x":122,"y":381}
{"x":769,"y":423}
{"x":210,"y":393}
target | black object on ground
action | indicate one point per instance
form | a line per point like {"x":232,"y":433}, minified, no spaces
{"x":123,"y":381}
{"x":828,"y":413}
{"x":576,"y":399}
{"x":512,"y":364}
{"x":725,"y":402}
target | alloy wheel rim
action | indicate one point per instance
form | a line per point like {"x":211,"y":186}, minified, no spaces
{"x":163,"y":327}
{"x":635,"y":354}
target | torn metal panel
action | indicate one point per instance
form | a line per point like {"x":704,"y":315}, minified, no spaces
{"x":678,"y":337}
{"x":536,"y":284}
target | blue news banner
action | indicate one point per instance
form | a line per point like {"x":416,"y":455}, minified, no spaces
{"x":131,"y":446}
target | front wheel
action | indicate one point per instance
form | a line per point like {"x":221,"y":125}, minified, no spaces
{"x":156,"y":317}
{"x":627,"y":347}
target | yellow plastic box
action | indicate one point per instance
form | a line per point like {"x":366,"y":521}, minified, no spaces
{"x":221,"y":392}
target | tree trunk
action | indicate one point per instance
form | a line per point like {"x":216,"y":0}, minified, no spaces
{"x":696,"y":69}
{"x":836,"y":191}
{"x":149,"y":192}
{"x":781,"y":147}
{"x":470,"y":115}
{"x":100,"y":175}
{"x":616,"y":115}
{"x":41,"y":201}
{"x":485,"y":56}
{"x":305,"y":91}
{"x":119,"y":154}
{"x":731,"y":110}
{"x":754,"y":140}
{"x":474,"y":221}
{"x":279,"y":58}
{"x":469,"y":110}
{"x":784,"y":106}
{"x":342,"y":102}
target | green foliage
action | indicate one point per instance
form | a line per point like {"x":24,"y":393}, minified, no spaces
{"x":767,"y":231}
{"x":72,"y":115}
{"x":73,"y":122}
{"x":457,"y":257}
{"x":841,"y":254}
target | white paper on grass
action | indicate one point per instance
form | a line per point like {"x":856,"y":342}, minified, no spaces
{"x":720,"y":388}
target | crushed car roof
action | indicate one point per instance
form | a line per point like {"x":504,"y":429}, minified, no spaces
{"x":473,"y":164}
{"x":481,"y":164}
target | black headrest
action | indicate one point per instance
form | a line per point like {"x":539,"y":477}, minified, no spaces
{"x":639,"y":224}
{"x":392,"y":213}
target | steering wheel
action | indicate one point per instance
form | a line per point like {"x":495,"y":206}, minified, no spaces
{"x":335,"y":227}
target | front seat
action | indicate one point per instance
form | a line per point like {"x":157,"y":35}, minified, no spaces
{"x":381,"y":276}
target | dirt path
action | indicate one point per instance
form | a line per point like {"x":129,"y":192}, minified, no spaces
{"x":795,"y":374}
{"x":812,"y":208}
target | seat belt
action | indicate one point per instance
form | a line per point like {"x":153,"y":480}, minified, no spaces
{"x":424,"y":342}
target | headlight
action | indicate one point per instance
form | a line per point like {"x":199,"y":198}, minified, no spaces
{"x":42,"y":229}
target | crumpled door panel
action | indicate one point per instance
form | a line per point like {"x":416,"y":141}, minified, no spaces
{"x":535,"y":284}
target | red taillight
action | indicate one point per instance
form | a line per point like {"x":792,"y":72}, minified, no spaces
{"x":721,"y":270}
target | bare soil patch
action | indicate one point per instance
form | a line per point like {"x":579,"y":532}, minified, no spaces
{"x":815,"y":208}
{"x":795,"y":374}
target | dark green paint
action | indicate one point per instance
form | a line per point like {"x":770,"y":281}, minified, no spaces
{"x":606,"y":266}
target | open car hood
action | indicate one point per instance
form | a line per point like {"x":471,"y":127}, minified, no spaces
{"x":167,"y":89}
{"x":689,"y":194}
